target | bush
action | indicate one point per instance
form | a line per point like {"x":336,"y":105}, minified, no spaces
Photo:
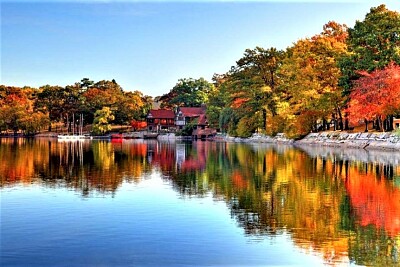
{"x":246,"y":127}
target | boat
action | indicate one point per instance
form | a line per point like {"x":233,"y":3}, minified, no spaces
{"x":71,"y":137}
{"x":116,"y":136}
{"x":100,"y":137}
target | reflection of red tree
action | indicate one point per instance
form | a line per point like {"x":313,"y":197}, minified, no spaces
{"x":139,"y":149}
{"x":197,"y":161}
{"x":116,"y":138}
{"x":192,"y":164}
{"x":239,"y":181}
{"x":163,"y":155}
{"x":376,"y":201}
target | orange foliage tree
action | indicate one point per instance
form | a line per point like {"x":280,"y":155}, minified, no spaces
{"x":376,"y":95}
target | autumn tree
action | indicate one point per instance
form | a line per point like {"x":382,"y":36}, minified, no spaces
{"x":129,"y":106}
{"x":376,"y":95}
{"x":309,"y":91}
{"x":17,"y":110}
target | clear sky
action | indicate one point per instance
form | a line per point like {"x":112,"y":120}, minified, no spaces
{"x":149,"y":45}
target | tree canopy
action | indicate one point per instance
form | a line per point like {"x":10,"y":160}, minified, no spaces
{"x":372,"y":43}
{"x":188,"y":92}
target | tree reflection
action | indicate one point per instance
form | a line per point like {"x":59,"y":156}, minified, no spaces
{"x":326,"y":200}
{"x":86,"y":166}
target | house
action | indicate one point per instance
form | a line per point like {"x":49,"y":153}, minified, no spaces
{"x":160,"y":120}
{"x":165,"y":120}
{"x":197,"y":116}
{"x":396,"y":123}
{"x":186,"y":115}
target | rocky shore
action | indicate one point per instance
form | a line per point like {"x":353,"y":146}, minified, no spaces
{"x":379,"y":141}
{"x":385,"y":141}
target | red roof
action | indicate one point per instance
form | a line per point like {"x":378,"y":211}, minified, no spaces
{"x":202,"y":119}
{"x":161,"y":114}
{"x":192,"y":112}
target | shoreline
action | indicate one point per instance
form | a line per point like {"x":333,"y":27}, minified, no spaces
{"x":366,"y":141}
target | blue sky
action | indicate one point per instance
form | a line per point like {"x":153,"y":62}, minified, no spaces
{"x":148,"y":46}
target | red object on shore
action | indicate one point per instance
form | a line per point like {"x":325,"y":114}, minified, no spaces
{"x":116,"y":136}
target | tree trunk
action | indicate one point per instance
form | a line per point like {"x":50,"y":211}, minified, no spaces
{"x":385,"y":124}
{"x":380,"y":123}
{"x":340,"y":118}
{"x":346,"y":122}
{"x":264,"y":116}
{"x":366,"y":125}
{"x":324,"y":125}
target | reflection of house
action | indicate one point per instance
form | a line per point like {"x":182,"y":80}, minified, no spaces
{"x":204,"y":133}
{"x":160,"y":119}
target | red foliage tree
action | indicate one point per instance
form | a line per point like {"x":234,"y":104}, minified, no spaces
{"x":376,"y":94}
{"x":138,"y":125}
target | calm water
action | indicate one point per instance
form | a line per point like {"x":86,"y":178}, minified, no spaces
{"x":149,"y":203}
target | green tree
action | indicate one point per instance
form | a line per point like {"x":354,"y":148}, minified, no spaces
{"x":255,"y":80}
{"x":86,"y":83}
{"x":217,"y":101}
{"x":102,"y":119}
{"x":73,"y":104}
{"x":228,"y":121}
{"x":188,"y":93}
{"x":373,"y":43}
{"x":50,"y":100}
{"x":251,"y":86}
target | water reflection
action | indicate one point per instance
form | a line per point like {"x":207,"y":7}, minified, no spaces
{"x":341,"y":204}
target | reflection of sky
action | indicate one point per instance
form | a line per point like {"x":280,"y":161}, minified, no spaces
{"x":142,"y":223}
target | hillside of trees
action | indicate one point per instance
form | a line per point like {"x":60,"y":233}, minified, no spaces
{"x":31,"y":110}
{"x":333,"y":80}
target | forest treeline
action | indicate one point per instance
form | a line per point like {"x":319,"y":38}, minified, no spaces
{"x":332,"y":80}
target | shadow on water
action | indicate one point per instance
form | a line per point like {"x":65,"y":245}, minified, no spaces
{"x":340,"y":203}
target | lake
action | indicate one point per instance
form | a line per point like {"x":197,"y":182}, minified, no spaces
{"x":152,"y":203}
